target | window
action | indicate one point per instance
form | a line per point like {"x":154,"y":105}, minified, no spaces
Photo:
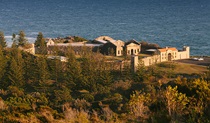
{"x":128,"y":51}
{"x":118,"y":52}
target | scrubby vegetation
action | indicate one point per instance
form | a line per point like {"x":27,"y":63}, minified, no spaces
{"x":89,"y":89}
{"x":69,"y":39}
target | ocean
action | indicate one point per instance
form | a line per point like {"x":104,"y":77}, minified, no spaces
{"x":165,"y":22}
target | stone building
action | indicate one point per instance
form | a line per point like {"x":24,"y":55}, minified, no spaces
{"x":166,"y":54}
{"x":106,"y":45}
{"x":118,"y":47}
{"x":77,"y":46}
{"x":132,"y":47}
{"x":113,"y":48}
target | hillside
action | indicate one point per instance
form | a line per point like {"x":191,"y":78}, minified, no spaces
{"x":87,"y":88}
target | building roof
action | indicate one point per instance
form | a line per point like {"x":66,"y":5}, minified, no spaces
{"x":168,"y":48}
{"x":76,"y":44}
{"x":132,"y":41}
{"x":104,"y":38}
{"x":151,"y":50}
{"x":101,"y":41}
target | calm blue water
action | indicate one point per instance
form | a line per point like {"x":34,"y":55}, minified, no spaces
{"x":166,"y":22}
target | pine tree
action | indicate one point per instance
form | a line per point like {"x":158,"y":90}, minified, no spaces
{"x":22,"y":41}
{"x":39,"y":39}
{"x":29,"y":66}
{"x":17,"y":55}
{"x":42,"y":75}
{"x":16,"y":68}
{"x":40,"y":43}
{"x":16,"y":74}
{"x":72,"y":69}
{"x":2,"y":40}
{"x":56,"y":66}
{"x":14,"y":43}
{"x":3,"y":64}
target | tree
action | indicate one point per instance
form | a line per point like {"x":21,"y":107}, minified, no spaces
{"x":42,"y":75}
{"x":2,"y":40}
{"x":3,"y":64}
{"x":95,"y":75}
{"x":14,"y":42}
{"x":140,"y":75}
{"x":176,"y":103}
{"x":16,"y":71}
{"x":22,"y":41}
{"x":72,"y":69}
{"x":16,"y":74}
{"x":139,"y":105}
{"x":39,"y":38}
{"x":29,"y":66}
{"x":61,"y":95}
{"x":40,"y":43}
{"x":202,"y":89}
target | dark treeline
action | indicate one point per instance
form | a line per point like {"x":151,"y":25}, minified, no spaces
{"x":86,"y":88}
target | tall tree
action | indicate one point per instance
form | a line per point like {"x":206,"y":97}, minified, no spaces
{"x":22,"y":41}
{"x":139,"y":106}
{"x":3,"y":64}
{"x":176,"y":103}
{"x":16,"y":71}
{"x":39,"y":40}
{"x":141,"y":74}
{"x":42,"y":75}
{"x":40,"y":43}
{"x":56,"y":66}
{"x":72,"y":69}
{"x":29,"y":66}
{"x":3,"y":42}
{"x":16,"y":74}
{"x":14,"y":42}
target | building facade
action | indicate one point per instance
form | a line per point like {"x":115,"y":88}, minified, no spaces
{"x":77,"y":47}
{"x":132,"y":47}
{"x":167,"y":54}
{"x":118,"y":47}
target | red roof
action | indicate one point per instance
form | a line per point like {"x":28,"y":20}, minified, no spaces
{"x":165,"y":49}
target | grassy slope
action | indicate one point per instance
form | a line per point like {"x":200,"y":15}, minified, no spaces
{"x":184,"y":68}
{"x":189,"y":68}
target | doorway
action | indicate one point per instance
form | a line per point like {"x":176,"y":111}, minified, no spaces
{"x":169,"y":57}
{"x":131,"y":51}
